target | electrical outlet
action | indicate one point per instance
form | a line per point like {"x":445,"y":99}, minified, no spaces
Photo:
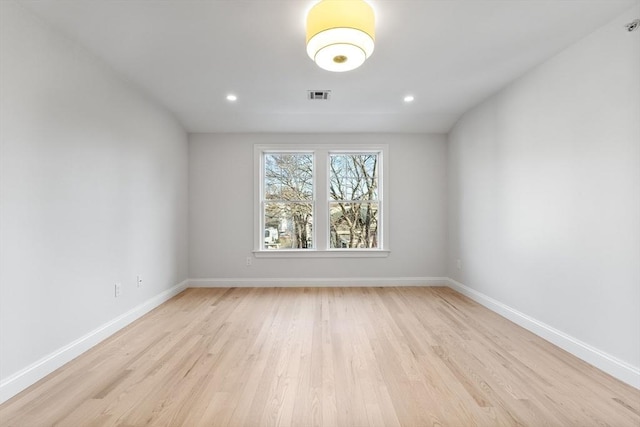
{"x":139,"y":280}
{"x":249,"y":261}
{"x":459,"y":264}
{"x":118,"y":290}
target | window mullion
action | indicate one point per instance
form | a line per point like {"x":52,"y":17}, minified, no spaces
{"x":321,"y":184}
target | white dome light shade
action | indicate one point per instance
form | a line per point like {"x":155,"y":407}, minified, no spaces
{"x":340,"y":49}
{"x":340,"y":34}
{"x":340,"y":57}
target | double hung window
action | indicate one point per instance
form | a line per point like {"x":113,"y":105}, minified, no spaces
{"x":353,"y":200}
{"x":288,"y":205}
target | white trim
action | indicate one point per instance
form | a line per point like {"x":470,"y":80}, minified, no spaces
{"x":317,"y":282}
{"x":28,"y":376}
{"x":613,"y":366}
{"x":331,"y":253}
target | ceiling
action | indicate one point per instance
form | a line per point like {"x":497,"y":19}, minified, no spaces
{"x":450,"y":54}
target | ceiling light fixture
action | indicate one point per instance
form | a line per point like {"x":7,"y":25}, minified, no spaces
{"x":340,"y":34}
{"x":409,"y":98}
{"x":231,"y":97}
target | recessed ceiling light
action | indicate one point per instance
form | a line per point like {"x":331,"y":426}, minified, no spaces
{"x":409,"y":98}
{"x":231,"y":97}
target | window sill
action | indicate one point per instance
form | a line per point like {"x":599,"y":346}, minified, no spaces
{"x":334,"y":253}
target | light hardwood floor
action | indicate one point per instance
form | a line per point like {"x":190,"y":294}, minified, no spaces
{"x":325,"y":357}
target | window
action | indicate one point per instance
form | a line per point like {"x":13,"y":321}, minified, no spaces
{"x":320,"y":201}
{"x":353,"y":200}
{"x":288,"y":201}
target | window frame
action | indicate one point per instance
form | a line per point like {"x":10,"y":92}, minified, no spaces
{"x":321,"y":200}
{"x":379,"y":200}
{"x":262,"y":201}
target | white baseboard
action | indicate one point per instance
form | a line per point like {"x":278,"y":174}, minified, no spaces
{"x":24,"y":378}
{"x":318,"y":282}
{"x":613,"y":366}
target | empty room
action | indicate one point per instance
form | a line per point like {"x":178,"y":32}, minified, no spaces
{"x":319,"y":213}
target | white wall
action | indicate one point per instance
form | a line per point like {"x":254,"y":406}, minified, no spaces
{"x":93,"y":190}
{"x":221,"y":183}
{"x":544,"y":193}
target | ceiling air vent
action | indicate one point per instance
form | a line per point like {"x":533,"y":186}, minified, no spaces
{"x":319,"y":94}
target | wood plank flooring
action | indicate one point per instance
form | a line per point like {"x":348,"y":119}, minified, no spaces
{"x":324,"y":357}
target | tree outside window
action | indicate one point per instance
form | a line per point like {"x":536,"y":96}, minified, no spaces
{"x":353,"y":206}
{"x":288,"y":204}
